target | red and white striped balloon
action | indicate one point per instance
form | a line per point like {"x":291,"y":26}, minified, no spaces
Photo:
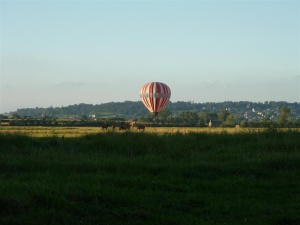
{"x":155,"y":96}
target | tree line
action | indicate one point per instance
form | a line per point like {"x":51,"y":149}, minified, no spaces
{"x":135,"y":109}
{"x":223,"y":118}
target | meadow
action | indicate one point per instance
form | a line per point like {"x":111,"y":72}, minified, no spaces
{"x":156,"y":176}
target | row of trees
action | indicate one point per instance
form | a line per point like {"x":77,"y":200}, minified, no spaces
{"x":49,"y":121}
{"x":224,"y":118}
{"x":129,"y":109}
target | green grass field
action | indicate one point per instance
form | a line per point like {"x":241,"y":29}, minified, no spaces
{"x":167,"y":176}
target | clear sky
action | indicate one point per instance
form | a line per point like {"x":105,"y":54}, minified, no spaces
{"x":58,"y":53}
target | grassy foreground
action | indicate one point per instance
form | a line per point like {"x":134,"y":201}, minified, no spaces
{"x":149,"y":178}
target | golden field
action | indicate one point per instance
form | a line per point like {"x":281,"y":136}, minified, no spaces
{"x":42,"y":131}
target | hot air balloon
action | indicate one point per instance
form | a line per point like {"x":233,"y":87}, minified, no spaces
{"x":155,"y":96}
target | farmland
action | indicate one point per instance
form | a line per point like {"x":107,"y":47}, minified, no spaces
{"x":42,"y":131}
{"x":156,"y":176}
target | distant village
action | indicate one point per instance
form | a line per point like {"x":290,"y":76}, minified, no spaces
{"x":175,"y":114}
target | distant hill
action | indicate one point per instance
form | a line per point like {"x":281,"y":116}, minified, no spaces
{"x":252,"y":111}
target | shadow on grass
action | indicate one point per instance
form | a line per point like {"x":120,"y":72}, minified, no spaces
{"x":141,"y":178}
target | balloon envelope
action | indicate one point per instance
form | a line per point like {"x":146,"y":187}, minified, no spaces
{"x":155,"y":96}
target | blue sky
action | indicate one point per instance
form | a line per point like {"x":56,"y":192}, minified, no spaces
{"x":56,"y":53}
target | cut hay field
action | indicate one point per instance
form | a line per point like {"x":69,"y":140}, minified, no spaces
{"x":42,"y":131}
{"x":157,"y":176}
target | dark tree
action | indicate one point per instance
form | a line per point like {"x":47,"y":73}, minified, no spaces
{"x":223,"y":115}
{"x":164,"y":114}
{"x":284,"y":115}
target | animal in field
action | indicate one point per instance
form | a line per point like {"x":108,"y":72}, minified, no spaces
{"x":104,"y":127}
{"x":141,"y":127}
{"x":124,"y":127}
